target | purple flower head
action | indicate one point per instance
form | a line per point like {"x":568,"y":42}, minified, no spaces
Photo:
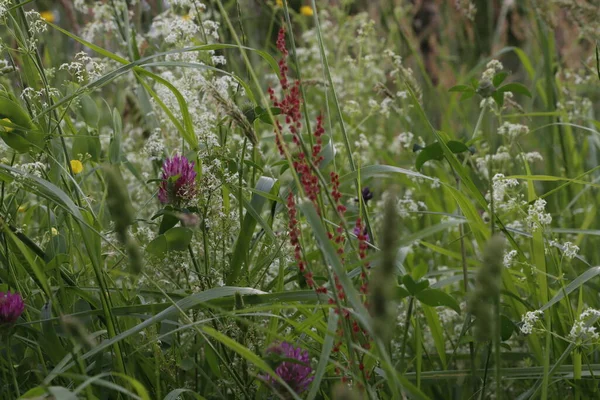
{"x":296,"y":372}
{"x":366,"y":195}
{"x":178,"y":181}
{"x":365,"y":233}
{"x":11,"y":307}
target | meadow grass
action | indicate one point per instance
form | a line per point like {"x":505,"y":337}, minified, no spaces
{"x":299,"y":200}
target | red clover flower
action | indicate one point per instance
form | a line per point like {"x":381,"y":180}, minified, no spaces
{"x":297,"y":372}
{"x":11,"y":307}
{"x":178,"y":181}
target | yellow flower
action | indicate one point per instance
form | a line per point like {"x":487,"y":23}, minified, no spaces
{"x":6,"y":128}
{"x":306,"y":11}
{"x":47,"y":16}
{"x":279,"y":3}
{"x":76,"y":166}
{"x":54,"y":231}
{"x":22,"y":209}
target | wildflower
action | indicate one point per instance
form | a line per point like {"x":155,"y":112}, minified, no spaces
{"x":54,"y":231}
{"x":529,"y":320}
{"x":76,"y":166}
{"x":509,"y":258}
{"x":279,"y":3}
{"x":7,"y":129}
{"x":178,"y":181}
{"x":366,"y":195}
{"x":582,"y":329}
{"x":500,"y":185}
{"x":512,"y":131}
{"x":493,"y":67}
{"x":307,"y":11}
{"x":296,"y":372}
{"x":570,"y":250}
{"x":537,"y":216}
{"x":47,"y":16}
{"x":11,"y":307}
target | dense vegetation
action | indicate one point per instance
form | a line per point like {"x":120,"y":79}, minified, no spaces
{"x":299,"y":199}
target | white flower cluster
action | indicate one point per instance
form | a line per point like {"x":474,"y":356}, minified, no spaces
{"x":529,"y":320}
{"x":36,"y":22}
{"x":493,"y":67}
{"x":4,"y":4}
{"x":500,"y":185}
{"x":466,"y":8}
{"x":84,"y":67}
{"x":583,"y":329}
{"x":34,"y":168}
{"x":512,"y":131}
{"x":537,"y":217}
{"x":570,"y":250}
{"x":403,"y":141}
{"x":155,"y":146}
{"x":501,"y":156}
{"x":533,"y":156}
{"x":509,"y":258}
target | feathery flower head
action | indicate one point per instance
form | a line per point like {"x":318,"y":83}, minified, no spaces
{"x":296,"y":372}
{"x":178,"y":180}
{"x":11,"y":307}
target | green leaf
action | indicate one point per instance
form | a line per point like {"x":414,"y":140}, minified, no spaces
{"x":324,"y":355}
{"x":168,"y":221}
{"x":177,"y":394}
{"x":498,"y":98}
{"x":467,"y":95}
{"x":436,"y":298}
{"x":575,"y":284}
{"x":507,"y":327}
{"x":461,"y":89}
{"x":114,"y":150}
{"x":437,"y":332}
{"x":175,"y":239}
{"x":85,"y":142}
{"x":89,"y":110}
{"x":414,"y":287}
{"x":252,"y":217}
{"x":499,"y":78}
{"x":514,"y":87}
{"x":401,"y":293}
{"x":434,"y":152}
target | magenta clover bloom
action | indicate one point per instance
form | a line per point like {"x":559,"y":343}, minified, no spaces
{"x":178,"y":181}
{"x":11,"y":307}
{"x":296,"y":372}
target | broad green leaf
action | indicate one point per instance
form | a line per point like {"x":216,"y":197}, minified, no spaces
{"x":499,"y":78}
{"x":413,"y":287}
{"x":514,"y":87}
{"x":437,"y":298}
{"x":461,"y":88}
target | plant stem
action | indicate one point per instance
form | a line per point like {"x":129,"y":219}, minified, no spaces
{"x":405,"y":336}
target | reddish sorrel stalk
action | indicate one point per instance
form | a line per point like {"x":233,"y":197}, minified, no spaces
{"x":291,"y":105}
